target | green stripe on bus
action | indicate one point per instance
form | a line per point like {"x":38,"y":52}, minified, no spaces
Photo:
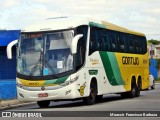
{"x":56,"y":81}
{"x":111,"y":68}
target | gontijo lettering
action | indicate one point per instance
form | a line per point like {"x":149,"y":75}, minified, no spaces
{"x":130,"y":60}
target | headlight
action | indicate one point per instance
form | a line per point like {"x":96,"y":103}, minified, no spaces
{"x":20,"y":85}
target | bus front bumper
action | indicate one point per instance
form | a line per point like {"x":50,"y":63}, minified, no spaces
{"x":66,"y":92}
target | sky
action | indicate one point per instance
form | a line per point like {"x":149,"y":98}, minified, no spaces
{"x":138,"y":15}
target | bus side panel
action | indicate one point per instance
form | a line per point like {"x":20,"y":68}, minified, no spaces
{"x":133,"y":65}
{"x":113,"y":71}
{"x":98,"y":65}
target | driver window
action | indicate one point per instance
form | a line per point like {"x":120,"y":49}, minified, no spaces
{"x":80,"y":54}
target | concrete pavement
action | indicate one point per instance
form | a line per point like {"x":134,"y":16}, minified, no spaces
{"x":7,"y":104}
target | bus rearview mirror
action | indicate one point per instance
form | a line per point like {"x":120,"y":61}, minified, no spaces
{"x":9,"y":48}
{"x":75,"y":42}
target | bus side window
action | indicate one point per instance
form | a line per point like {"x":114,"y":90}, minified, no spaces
{"x":143,"y":44}
{"x":81,"y":47}
{"x":131,"y":44}
{"x":120,"y":43}
{"x":93,"y":44}
{"x":127,"y":43}
{"x":105,"y":39}
{"x":83,"y":30}
{"x":137,"y":45}
{"x":80,"y":56}
{"x":124,"y":42}
{"x":113,"y":43}
{"x":100,"y":40}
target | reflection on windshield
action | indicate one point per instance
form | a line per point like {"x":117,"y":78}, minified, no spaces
{"x":45,"y":54}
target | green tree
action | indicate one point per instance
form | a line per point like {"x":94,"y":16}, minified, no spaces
{"x":154,"y":42}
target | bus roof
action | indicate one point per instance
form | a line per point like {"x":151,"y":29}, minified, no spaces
{"x":71,"y":22}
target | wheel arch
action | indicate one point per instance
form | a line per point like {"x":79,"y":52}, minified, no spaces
{"x":94,"y":80}
{"x":90,"y":99}
{"x":133,"y":79}
{"x":139,"y":81}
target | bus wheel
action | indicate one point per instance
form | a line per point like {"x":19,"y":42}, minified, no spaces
{"x":137,"y":94}
{"x":138,"y":89}
{"x":43,"y":104}
{"x":91,"y":99}
{"x":132,"y":93}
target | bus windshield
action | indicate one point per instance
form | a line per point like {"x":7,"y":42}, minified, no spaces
{"x":42,"y":54}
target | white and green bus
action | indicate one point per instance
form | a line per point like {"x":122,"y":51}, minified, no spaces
{"x":69,"y":58}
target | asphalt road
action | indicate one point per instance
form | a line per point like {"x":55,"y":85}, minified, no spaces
{"x":149,"y":100}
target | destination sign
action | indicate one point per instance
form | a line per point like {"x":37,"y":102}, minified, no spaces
{"x":32,"y":36}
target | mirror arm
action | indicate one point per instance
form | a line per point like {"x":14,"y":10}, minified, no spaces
{"x":74,"y":43}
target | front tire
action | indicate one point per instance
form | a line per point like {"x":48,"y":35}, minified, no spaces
{"x":43,"y":104}
{"x":91,"y":99}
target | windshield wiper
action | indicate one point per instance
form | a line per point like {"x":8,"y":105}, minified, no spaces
{"x":49,"y":66}
{"x":39,"y":63}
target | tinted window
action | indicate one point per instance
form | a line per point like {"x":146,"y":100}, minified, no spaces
{"x":93,"y":46}
{"x":81,"y":47}
{"x":114,"y":41}
{"x":120,"y":42}
{"x":106,"y":40}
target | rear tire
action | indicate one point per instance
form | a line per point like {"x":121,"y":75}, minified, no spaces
{"x":134,"y":89}
{"x":43,"y":104}
{"x":137,"y":94}
{"x":138,"y":89}
{"x":91,"y":99}
{"x":132,"y":93}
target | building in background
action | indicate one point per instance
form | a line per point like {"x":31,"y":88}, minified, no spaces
{"x":154,"y":55}
{"x":154,"y":51}
{"x":7,"y":66}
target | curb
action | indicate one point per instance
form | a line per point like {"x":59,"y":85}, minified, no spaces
{"x":10,"y":106}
